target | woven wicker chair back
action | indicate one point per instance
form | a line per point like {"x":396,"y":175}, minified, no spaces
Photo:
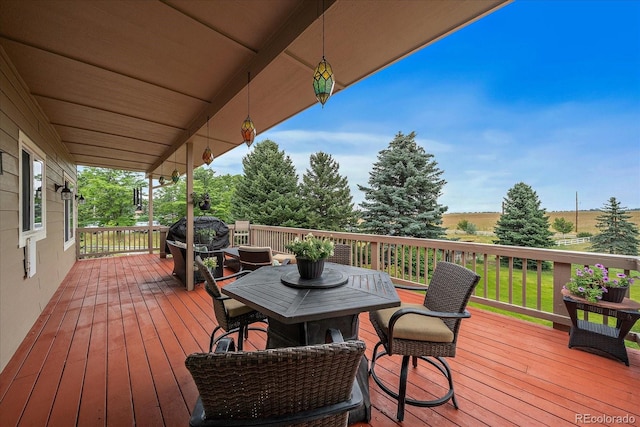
{"x":278,"y":382}
{"x":213,"y":290}
{"x":341,"y":254}
{"x":450,"y":289}
{"x":254,"y":257}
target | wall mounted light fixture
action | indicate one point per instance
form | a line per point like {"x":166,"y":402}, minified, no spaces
{"x":81,"y":200}
{"x":66,"y":193}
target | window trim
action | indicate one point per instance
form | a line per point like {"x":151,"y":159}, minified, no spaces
{"x":27,"y":145}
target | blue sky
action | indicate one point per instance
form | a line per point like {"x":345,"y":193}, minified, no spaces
{"x":541,"y":92}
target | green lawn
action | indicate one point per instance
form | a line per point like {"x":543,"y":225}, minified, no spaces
{"x":531,"y":293}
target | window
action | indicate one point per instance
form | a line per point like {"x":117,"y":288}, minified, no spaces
{"x":32,"y":194}
{"x":69,"y":217}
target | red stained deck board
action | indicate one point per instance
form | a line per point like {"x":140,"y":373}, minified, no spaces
{"x":135,"y":323}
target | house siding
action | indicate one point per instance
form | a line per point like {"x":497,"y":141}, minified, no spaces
{"x":22,"y":299}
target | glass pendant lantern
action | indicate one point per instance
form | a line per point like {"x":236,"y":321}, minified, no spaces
{"x":207,"y":155}
{"x":248,"y":130}
{"x":323,"y":81}
{"x":175,"y":175}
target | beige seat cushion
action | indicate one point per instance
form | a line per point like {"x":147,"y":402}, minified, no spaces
{"x":236,"y":308}
{"x":414,"y":327}
{"x":282,"y":257}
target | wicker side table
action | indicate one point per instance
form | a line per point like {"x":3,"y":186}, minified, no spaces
{"x":599,"y":338}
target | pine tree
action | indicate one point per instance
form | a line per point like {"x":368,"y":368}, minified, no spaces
{"x":267,"y":193}
{"x":617,"y":234}
{"x":523,"y":222}
{"x":326,"y":195}
{"x":402,"y":197}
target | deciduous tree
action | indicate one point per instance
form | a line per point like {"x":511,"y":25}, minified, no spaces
{"x":109,"y":196}
{"x":561,"y":225}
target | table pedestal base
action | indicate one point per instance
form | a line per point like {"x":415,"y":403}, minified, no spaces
{"x":308,"y":333}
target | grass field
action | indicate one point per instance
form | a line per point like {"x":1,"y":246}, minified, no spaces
{"x":486,"y":221}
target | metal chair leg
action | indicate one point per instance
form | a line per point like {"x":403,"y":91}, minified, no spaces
{"x":402,"y":389}
{"x":438,"y":362}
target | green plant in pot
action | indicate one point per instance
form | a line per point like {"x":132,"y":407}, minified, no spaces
{"x":310,"y":253}
{"x":594,"y":284}
{"x":616,"y":287}
{"x":211,"y":263}
{"x":203,"y":201}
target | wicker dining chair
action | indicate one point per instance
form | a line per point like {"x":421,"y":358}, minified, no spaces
{"x":341,"y":254}
{"x":309,"y":385}
{"x":427,"y":331}
{"x":254,"y":257}
{"x":232,"y":315}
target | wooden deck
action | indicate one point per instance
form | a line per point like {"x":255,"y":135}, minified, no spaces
{"x":109,"y":349}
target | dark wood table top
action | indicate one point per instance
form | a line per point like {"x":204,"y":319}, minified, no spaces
{"x":264,"y":291}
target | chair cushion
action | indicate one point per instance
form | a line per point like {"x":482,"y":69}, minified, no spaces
{"x":236,"y":308}
{"x":181,"y":245}
{"x":413,"y":326}
{"x":281,"y":258}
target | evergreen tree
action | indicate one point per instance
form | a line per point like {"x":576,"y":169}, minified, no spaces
{"x":267,"y":193}
{"x":523,"y":222}
{"x":326,"y":195}
{"x":402,"y":197}
{"x":617,"y":234}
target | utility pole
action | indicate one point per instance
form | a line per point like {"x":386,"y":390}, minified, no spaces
{"x":576,"y":212}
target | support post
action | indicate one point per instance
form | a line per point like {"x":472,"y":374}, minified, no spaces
{"x":189,"y":237}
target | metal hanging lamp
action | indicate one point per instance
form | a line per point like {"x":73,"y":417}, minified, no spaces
{"x":248,"y":130}
{"x":175,"y":175}
{"x":323,"y":81}
{"x":162,"y":179}
{"x":207,"y":155}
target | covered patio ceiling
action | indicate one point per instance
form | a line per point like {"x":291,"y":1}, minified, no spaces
{"x":127,"y":83}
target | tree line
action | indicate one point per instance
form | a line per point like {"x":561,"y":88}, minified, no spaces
{"x":401,"y":199}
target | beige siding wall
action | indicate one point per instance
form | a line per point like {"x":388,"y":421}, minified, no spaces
{"x":22,"y":300}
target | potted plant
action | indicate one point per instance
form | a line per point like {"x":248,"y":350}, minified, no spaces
{"x":594,"y":284}
{"x":616,"y":287}
{"x":203,"y":201}
{"x":310,"y":253}
{"x":211,"y":263}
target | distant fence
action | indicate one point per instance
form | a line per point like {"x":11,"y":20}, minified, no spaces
{"x":579,"y":240}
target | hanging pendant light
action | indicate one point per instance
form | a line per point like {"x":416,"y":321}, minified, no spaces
{"x":162,"y":179}
{"x":175,"y":175}
{"x":323,"y":81}
{"x":207,"y":156}
{"x":248,"y":130}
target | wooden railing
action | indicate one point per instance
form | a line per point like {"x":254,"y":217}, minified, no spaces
{"x":106,"y":241}
{"x":533,"y":291}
